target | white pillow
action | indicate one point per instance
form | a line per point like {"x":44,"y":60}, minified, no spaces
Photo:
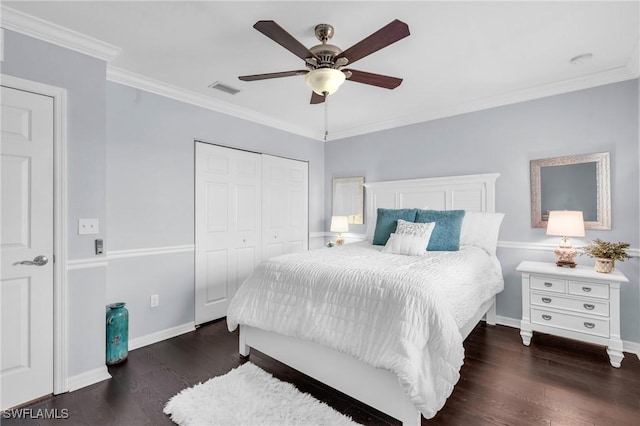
{"x":422,"y":230}
{"x":408,"y":245}
{"x":481,"y":229}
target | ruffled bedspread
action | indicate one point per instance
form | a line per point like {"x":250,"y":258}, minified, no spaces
{"x":400,"y":313}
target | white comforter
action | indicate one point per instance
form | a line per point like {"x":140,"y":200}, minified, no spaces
{"x":401,"y":313}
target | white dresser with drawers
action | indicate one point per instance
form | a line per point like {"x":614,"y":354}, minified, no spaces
{"x":577,"y":303}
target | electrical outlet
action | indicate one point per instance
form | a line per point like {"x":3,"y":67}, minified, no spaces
{"x":155,"y":300}
{"x":87,"y":226}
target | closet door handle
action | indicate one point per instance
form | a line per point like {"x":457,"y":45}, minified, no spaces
{"x":589,"y":324}
{"x":547,"y":317}
{"x":589,"y":306}
{"x":546,"y":299}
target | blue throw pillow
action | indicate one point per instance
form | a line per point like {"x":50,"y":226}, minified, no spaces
{"x":446,"y":234}
{"x":388,"y":220}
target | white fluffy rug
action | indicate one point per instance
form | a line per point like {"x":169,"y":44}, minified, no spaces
{"x":249,"y":396}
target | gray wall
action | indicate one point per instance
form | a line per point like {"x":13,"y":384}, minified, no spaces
{"x":84,"y":79}
{"x":504,"y":140}
{"x":130,"y":164}
{"x":150,"y":195}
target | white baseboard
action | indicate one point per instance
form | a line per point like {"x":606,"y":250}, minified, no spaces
{"x":508,"y":321}
{"x":161,"y":335}
{"x":88,"y":378}
{"x":630,"y":347}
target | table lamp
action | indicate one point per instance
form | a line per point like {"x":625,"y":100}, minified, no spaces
{"x":565,"y":223}
{"x":339,"y":224}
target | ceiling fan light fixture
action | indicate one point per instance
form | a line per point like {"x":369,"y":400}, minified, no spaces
{"x":324,"y":81}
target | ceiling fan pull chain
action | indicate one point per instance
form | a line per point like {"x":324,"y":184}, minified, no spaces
{"x":326,"y":116}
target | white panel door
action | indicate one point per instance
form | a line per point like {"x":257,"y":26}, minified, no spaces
{"x":285,"y":222}
{"x":228,"y":206}
{"x":26,"y":236}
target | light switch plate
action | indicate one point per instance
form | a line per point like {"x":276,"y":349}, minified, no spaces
{"x":87,"y":226}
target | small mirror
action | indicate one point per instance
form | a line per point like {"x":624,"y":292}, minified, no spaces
{"x":578,"y":182}
{"x":348,"y":199}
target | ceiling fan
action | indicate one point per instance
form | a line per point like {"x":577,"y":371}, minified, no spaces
{"x":325,"y":63}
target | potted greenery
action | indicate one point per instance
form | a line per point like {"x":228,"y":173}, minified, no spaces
{"x":605,"y":254}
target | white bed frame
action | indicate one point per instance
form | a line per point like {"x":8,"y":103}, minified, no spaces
{"x":377,"y":387}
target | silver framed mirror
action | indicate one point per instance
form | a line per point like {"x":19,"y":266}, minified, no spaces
{"x":575,"y":182}
{"x":348,"y":199}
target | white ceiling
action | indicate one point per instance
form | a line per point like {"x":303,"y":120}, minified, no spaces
{"x":460,"y":56}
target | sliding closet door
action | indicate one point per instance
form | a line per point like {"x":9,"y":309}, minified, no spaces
{"x":228,"y":222}
{"x":285,"y":223}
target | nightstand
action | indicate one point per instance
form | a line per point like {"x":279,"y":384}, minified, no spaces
{"x":577,"y":303}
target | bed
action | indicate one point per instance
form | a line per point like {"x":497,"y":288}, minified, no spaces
{"x":346,"y":316}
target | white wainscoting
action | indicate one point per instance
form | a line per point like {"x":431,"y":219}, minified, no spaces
{"x":122,"y":254}
{"x":103,"y":261}
{"x":516,"y":245}
{"x":86,"y":263}
{"x":97,"y":375}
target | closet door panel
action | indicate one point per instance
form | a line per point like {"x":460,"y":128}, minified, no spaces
{"x":228,"y":225}
{"x":216,"y":212}
{"x":249,"y":207}
{"x":217,"y":275}
{"x":285,"y":205}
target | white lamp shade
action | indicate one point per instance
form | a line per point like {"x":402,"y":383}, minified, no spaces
{"x":565,"y":223}
{"x":324,"y":80}
{"x":339,"y":224}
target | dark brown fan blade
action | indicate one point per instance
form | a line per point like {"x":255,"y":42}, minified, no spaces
{"x":316,"y":99}
{"x":278,"y":34}
{"x":272,"y":75}
{"x":389,"y":34}
{"x":374,"y":79}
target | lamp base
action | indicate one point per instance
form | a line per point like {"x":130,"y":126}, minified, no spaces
{"x":565,"y":256}
{"x":339,"y":240}
{"x":561,"y":264}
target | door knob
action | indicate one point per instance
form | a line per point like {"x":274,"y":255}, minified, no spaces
{"x":37,"y":261}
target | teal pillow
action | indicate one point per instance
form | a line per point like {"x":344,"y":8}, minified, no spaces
{"x":387,"y":222}
{"x":446,"y":234}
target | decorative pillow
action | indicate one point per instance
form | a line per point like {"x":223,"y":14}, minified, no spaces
{"x":422,"y":230}
{"x":446,"y":234}
{"x":481,"y":229}
{"x":408,"y":245}
{"x":387,"y":220}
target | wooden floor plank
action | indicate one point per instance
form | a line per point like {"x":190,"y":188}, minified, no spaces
{"x":553,"y":382}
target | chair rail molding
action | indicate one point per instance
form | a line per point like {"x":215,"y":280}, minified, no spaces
{"x":151,"y":251}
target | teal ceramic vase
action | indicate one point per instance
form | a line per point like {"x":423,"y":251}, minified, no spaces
{"x":117,"y":333}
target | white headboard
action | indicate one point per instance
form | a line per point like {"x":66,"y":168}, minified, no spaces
{"x":469,"y":192}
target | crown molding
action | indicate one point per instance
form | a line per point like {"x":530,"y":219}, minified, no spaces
{"x":634,"y":60}
{"x":23,"y":23}
{"x":628,"y":72}
{"x":31,"y":26}
{"x":139,"y":81}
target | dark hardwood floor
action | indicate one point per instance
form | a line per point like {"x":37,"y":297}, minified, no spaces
{"x":555,"y":381}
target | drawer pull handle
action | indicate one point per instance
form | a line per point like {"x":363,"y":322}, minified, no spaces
{"x":589,"y":324}
{"x":546,"y":299}
{"x":589,"y":306}
{"x":546,"y":284}
{"x":586,"y":289}
{"x":548,"y":317}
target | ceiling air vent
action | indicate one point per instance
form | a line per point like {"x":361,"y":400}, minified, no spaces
{"x":224,"y":88}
